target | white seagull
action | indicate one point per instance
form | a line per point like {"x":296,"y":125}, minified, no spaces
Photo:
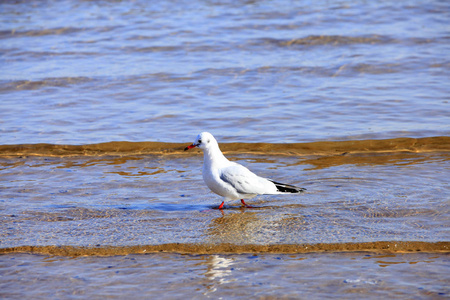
{"x":232,"y":180}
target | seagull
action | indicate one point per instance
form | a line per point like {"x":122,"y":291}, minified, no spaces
{"x":232,"y":180}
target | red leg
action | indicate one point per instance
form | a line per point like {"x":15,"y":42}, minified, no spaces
{"x":221,"y":205}
{"x":245,"y":204}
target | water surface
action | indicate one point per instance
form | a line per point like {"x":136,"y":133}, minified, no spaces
{"x":266,"y":71}
{"x":348,"y":99}
{"x":368,"y":275}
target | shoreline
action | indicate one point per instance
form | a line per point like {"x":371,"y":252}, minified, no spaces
{"x":396,"y":145}
{"x":229,"y":248}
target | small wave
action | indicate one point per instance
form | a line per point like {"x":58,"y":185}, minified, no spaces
{"x":20,"y":55}
{"x":38,"y":84}
{"x":338,"y":40}
{"x":428,"y":144}
{"x":50,"y":31}
{"x":332,"y":71}
{"x":186,"y":248}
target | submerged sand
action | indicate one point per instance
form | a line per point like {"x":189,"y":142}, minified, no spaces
{"x":388,"y":196}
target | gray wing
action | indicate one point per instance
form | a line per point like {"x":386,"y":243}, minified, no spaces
{"x":246,"y":182}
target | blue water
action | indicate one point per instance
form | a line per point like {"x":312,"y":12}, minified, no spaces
{"x":269,"y":71}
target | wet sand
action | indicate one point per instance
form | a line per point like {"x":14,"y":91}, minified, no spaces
{"x":227,"y":248}
{"x":428,"y":144}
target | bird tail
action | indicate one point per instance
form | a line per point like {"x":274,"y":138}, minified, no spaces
{"x":287,"y":188}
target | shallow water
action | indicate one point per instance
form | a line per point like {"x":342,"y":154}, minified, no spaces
{"x":91,"y":216}
{"x":162,"y":199}
{"x":266,"y":276}
{"x":348,"y":99}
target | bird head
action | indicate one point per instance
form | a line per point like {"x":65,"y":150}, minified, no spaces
{"x":203,"y":141}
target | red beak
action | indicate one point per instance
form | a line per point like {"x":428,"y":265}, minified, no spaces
{"x":190,"y":147}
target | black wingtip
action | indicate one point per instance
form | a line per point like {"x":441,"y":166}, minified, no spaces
{"x":287,"y":188}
